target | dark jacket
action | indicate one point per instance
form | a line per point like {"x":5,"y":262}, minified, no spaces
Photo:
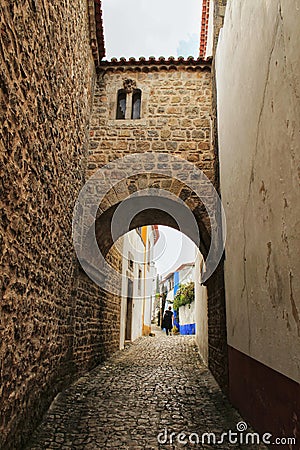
{"x":167,"y":322}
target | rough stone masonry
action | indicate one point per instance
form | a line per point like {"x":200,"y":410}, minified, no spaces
{"x":50,"y":313}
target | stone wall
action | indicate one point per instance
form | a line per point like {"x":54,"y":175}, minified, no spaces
{"x":46,"y":91}
{"x":217,"y":332}
{"x":175,"y":117}
{"x":97,"y":318}
{"x":110,"y":337}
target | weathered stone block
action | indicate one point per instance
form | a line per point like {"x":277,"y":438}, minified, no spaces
{"x":125,"y":133}
{"x":186,"y":123}
{"x":165,"y":134}
{"x":193,"y":157}
{"x":173,"y":110}
{"x":158,"y":145}
{"x":198,"y":134}
{"x":176,"y":99}
{"x":172,"y":145}
{"x":153,"y":133}
{"x":143,"y":146}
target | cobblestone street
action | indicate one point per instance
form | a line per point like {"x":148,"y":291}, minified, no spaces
{"x":156,"y":384}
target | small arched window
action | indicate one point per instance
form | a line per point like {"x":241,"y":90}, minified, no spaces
{"x":136,"y":104}
{"x":121,"y":104}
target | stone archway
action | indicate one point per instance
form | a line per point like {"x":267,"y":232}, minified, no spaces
{"x":165,"y":196}
{"x":175,"y":121}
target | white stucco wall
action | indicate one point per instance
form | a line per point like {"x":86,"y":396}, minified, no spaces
{"x":150,"y":279}
{"x":137,"y":316}
{"x":122,"y":322}
{"x":131,"y":242}
{"x":258,"y":93}
{"x":187,"y":314}
{"x":125,"y":249}
{"x":201,"y":313}
{"x":142,"y":298}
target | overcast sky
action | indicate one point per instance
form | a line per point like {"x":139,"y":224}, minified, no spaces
{"x":157,"y":27}
{"x":172,"y":249}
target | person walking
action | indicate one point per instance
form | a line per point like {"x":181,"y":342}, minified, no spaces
{"x":168,"y":320}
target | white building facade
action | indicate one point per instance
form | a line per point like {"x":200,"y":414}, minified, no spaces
{"x":138,"y":283}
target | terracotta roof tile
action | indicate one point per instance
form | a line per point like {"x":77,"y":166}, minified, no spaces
{"x":204,"y":28}
{"x":160,"y":62}
{"x":96,"y":30}
{"x":99,"y":26}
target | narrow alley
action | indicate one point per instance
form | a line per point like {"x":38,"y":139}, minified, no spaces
{"x":127,"y":130}
{"x":157,"y":383}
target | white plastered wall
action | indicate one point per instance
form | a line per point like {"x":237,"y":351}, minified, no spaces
{"x":258,"y":93}
{"x":201,"y":313}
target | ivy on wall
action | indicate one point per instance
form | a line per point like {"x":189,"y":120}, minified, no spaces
{"x":184,"y":296}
